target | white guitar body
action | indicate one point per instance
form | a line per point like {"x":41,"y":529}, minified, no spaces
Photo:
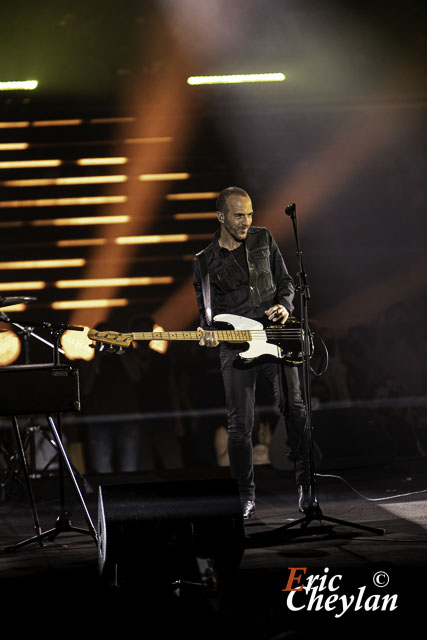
{"x":257,"y":347}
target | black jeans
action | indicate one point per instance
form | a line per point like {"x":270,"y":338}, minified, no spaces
{"x":240,"y":382}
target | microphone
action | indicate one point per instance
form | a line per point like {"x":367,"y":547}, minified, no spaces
{"x":291,"y":210}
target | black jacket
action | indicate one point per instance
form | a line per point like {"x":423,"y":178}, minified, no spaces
{"x":233,"y":290}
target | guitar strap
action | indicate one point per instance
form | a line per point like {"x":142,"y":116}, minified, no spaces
{"x":206,"y":286}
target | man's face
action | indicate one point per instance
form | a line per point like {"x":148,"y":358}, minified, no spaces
{"x":238,"y":217}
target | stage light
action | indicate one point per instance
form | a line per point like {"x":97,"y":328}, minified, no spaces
{"x":76,"y":345}
{"x":90,"y":162}
{"x":237,"y":78}
{"x":86,"y":221}
{"x":152,"y":177}
{"x":89,"y":304}
{"x":148,"y":140}
{"x":22,"y":124}
{"x":42,"y":264}
{"x":82,"y":242}
{"x":63,"y":202}
{"x":10,"y":347}
{"x":45,"y":182}
{"x":160,"y":346}
{"x":177,"y":237}
{"x":194,"y":216}
{"x":57,"y":123}
{"x":110,"y":120}
{"x":19,"y":85}
{"x":13,"y":146}
{"x":22,"y":286}
{"x":113,"y":282}
{"x":209,"y":195}
{"x":28,"y":164}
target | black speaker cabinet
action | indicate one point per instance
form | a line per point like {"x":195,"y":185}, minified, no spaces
{"x":44,"y":388}
{"x":156,"y":531}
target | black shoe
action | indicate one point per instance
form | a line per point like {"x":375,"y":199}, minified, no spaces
{"x":305,"y":500}
{"x":248,"y":507}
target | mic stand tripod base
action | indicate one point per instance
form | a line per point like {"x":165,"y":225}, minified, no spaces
{"x":315,"y":513}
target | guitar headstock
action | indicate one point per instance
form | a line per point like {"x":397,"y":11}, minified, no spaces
{"x":111,"y":337}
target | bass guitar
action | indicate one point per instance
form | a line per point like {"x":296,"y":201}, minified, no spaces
{"x":283,"y":342}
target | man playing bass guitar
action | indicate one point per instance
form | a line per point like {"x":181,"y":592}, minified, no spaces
{"x":242,"y":272}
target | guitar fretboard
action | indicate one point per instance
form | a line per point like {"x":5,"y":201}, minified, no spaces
{"x":222,"y":336}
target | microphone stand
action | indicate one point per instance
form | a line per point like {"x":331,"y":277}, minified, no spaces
{"x":314,"y":511}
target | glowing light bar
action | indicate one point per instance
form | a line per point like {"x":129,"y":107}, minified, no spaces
{"x":237,"y":78}
{"x":178,"y":237}
{"x":14,"y":308}
{"x":14,"y":125}
{"x":44,"y":182}
{"x":113,"y":282}
{"x":27,"y":164}
{"x":152,"y":177}
{"x":194,"y":216}
{"x":18,"y":85}
{"x":108,"y":120}
{"x":42,"y":264}
{"x":63,"y":202}
{"x":21,"y":286}
{"x":13,"y":146}
{"x":69,"y":222}
{"x":89,"y":304}
{"x":90,"y":162}
{"x":56,"y":123}
{"x":148,"y":140}
{"x":83,"y":242}
{"x":192,"y":196}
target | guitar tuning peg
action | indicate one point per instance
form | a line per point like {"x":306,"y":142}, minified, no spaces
{"x":120,"y":351}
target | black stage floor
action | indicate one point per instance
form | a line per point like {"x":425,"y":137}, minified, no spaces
{"x":56,"y":589}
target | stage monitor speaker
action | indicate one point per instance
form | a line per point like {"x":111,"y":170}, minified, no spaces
{"x":44,"y":388}
{"x":157,"y":531}
{"x":350,"y":438}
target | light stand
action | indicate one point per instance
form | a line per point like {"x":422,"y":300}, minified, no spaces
{"x":314,"y":511}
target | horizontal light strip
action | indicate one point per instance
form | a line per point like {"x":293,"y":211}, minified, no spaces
{"x":66,"y":222}
{"x":107,"y":120}
{"x":14,"y":308}
{"x":21,"y":286}
{"x":89,"y":162}
{"x":26,"y":85}
{"x":151,"y":177}
{"x":113,"y":282}
{"x":15,"y":125}
{"x":69,"y":222}
{"x":13,"y":146}
{"x":178,"y":237}
{"x":24,"y":164}
{"x":89,"y":304}
{"x":194,"y":216}
{"x":63,"y":202}
{"x":57,"y":123}
{"x":42,"y":264}
{"x":83,"y":242}
{"x":45,"y":182}
{"x":191,"y":196}
{"x":147,"y":140}
{"x":237,"y":78}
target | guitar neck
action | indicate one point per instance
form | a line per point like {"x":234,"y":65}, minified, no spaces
{"x":222,"y":336}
